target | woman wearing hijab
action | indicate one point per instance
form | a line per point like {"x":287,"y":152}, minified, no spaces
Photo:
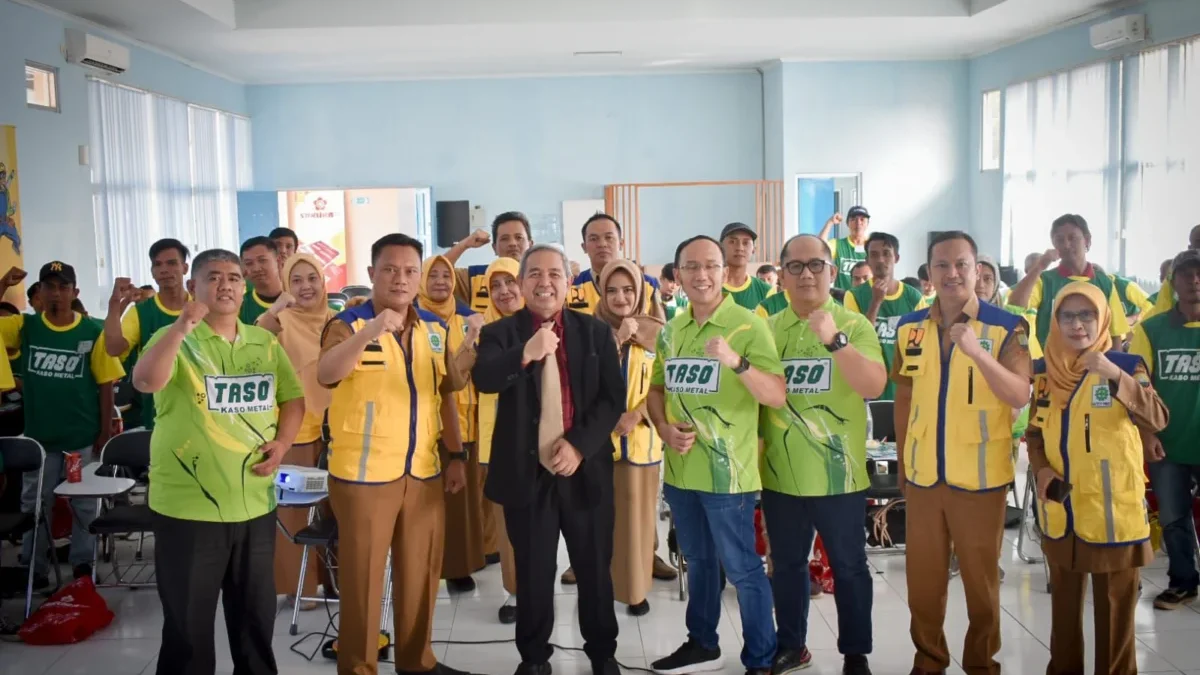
{"x":1090,"y":405}
{"x":504,"y":299}
{"x":297,"y":318}
{"x":464,"y":552}
{"x":638,"y":448}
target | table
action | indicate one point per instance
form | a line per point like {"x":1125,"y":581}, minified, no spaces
{"x":94,"y":486}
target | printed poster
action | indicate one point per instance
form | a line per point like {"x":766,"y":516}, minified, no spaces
{"x":319,"y":219}
{"x":10,"y":212}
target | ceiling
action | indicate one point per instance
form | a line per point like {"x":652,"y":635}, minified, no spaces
{"x":277,"y":41}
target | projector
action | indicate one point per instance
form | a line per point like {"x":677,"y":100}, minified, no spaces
{"x":301,"y":479}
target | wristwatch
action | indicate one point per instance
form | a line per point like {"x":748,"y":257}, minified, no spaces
{"x":460,"y":456}
{"x":839,"y":340}
{"x":742,"y":366}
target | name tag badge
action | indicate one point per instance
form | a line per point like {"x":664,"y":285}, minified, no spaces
{"x":240,"y":394}
{"x":1101,"y":396}
{"x":808,"y":376}
{"x":693,"y":376}
{"x":435,"y":342}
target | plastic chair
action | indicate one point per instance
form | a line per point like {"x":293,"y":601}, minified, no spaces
{"x":127,"y":452}
{"x":26,"y":455}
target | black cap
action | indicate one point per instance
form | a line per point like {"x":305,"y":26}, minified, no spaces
{"x":59,"y":270}
{"x":738,"y":227}
{"x":1189,"y":258}
{"x":856,"y":211}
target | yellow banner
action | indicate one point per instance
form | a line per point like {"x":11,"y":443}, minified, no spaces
{"x":10,"y":212}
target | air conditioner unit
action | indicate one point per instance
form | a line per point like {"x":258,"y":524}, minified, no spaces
{"x":95,"y":52}
{"x":1125,"y":30}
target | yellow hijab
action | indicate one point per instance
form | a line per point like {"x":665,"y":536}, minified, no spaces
{"x":300,"y":336}
{"x":1064,"y":365}
{"x":445,"y":308}
{"x":499,"y":265}
{"x":648,"y":326}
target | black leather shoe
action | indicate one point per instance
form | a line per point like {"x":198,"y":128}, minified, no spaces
{"x":508,"y":614}
{"x":492,"y":558}
{"x":463,"y":585}
{"x":640,"y":609}
{"x":855,"y":664}
{"x":534,"y":668}
{"x":607,"y":667}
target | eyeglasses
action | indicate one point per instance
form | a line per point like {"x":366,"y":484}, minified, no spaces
{"x":1086,"y":316}
{"x":693,"y":267}
{"x":816,"y":266}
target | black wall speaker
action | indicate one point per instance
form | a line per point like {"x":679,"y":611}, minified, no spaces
{"x":453,"y":222}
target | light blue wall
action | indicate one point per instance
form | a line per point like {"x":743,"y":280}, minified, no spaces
{"x":525,"y":144}
{"x":56,"y":193}
{"x":900,"y":124}
{"x":1166,"y":20}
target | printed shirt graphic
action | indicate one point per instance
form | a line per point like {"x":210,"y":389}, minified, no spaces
{"x":1170,"y":346}
{"x":219,"y":407}
{"x":846,"y":255}
{"x":906,"y":299}
{"x":712,"y":398}
{"x":816,"y":445}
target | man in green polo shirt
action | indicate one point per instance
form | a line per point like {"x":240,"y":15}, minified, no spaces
{"x":1169,"y":343}
{"x":738,"y":241}
{"x":260,"y":265}
{"x":229,"y":406}
{"x":716,"y":363}
{"x":814,"y":464}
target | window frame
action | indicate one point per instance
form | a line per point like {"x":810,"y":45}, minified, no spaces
{"x":991,"y":122}
{"x":52,"y":73}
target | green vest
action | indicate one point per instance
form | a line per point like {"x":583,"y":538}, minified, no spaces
{"x":62,"y":399}
{"x":754,"y":292}
{"x":1175,"y":375}
{"x":150,"y":319}
{"x":846,"y":257}
{"x":1122,"y":285}
{"x":774,"y":304}
{"x":1052,"y":283}
{"x":886,"y":322}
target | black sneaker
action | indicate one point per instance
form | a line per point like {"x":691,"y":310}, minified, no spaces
{"x":606,"y":667}
{"x":463,"y":585}
{"x":534,"y":668}
{"x":640,"y":609}
{"x":790,"y":660}
{"x":1174,"y":598}
{"x":508,"y":614}
{"x":855,"y":664}
{"x":690,"y":658}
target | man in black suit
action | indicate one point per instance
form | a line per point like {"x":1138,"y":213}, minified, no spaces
{"x":552,"y":455}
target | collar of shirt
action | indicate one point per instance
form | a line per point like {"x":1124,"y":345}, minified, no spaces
{"x":203,"y":331}
{"x":971,"y":309}
{"x":718,"y":317}
{"x":1088,"y":272}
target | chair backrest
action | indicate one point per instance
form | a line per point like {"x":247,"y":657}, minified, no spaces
{"x":130,"y":450}
{"x":22,"y":454}
{"x":883,"y":422}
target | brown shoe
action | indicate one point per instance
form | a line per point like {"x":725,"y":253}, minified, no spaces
{"x":663,"y":570}
{"x":918,"y":671}
{"x":568,"y":577}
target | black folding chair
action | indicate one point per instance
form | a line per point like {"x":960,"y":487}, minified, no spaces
{"x":127,"y":453}
{"x":321,"y":532}
{"x":26,"y":455}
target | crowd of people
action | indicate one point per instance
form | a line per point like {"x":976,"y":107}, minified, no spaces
{"x":470,"y":416}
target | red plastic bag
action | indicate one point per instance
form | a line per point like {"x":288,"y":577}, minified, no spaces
{"x":820,"y":573}
{"x":71,"y":615}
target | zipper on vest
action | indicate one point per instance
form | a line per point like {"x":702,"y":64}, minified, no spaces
{"x":970,"y":385}
{"x":1087,"y":432}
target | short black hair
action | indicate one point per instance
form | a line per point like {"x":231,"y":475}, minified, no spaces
{"x":508,"y":217}
{"x":33,"y":290}
{"x":943,"y":237}
{"x":668,"y":271}
{"x":923,"y":271}
{"x":912,"y":281}
{"x":146,"y":287}
{"x":766,"y":269}
{"x":395,"y":239}
{"x":9,"y":307}
{"x":284,"y":232}
{"x":259,"y":241}
{"x":783,"y":251}
{"x":691,"y":240}
{"x":599,"y":215}
{"x":169,"y":245}
{"x":888,"y":240}
{"x":1071,"y":219}
{"x":860,"y":263}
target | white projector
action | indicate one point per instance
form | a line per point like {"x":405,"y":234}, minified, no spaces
{"x":294,"y":478}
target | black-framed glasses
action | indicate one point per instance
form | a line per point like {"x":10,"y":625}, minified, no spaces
{"x":816,"y":266}
{"x":1085,"y":316}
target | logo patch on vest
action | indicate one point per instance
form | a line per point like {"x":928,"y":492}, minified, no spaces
{"x":1101,"y":396}
{"x":807,"y":376}
{"x":1178,"y":365}
{"x":987,"y":344}
{"x":886,"y":329}
{"x":59,"y":364}
{"x":693,"y":376}
{"x":240,"y":394}
{"x":435,"y":342}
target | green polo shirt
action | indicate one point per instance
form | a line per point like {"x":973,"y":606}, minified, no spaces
{"x":815,"y":446}
{"x":713,"y":399}
{"x":220,"y":405}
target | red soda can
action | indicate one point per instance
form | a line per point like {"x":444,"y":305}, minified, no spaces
{"x":74,"y":467}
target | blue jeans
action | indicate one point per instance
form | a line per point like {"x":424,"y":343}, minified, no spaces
{"x":840,"y":520}
{"x":82,"y":542}
{"x":715,"y":531}
{"x":1172,"y":483}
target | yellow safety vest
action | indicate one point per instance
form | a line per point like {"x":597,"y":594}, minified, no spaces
{"x":465,"y":398}
{"x":959,"y":432}
{"x":385,"y":416}
{"x":584,"y":295}
{"x":479,"y":300}
{"x":1095,"y":446}
{"x":642,"y":446}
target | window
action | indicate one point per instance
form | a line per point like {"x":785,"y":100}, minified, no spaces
{"x":989,"y":142}
{"x":41,"y":86}
{"x":162,"y":167}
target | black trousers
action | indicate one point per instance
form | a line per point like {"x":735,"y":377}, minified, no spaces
{"x":197,"y":561}
{"x":533,"y":531}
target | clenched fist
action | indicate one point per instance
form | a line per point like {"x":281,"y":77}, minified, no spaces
{"x":628,"y":329}
{"x":13,"y":277}
{"x":479,"y":238}
{"x":474,"y":326}
{"x":281,"y":303}
{"x":964,"y":337}
{"x":191,"y":316}
{"x":543,"y":343}
{"x":720,"y":350}
{"x":821,"y":323}
{"x":386,"y":321}
{"x":124,"y":294}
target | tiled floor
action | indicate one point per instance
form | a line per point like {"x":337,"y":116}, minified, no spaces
{"x":1168,"y":642}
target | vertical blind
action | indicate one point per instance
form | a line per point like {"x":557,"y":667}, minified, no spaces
{"x":162,"y":167}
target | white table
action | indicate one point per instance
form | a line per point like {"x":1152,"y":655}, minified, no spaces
{"x":94,"y":486}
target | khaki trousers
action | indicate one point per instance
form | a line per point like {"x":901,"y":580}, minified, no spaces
{"x":1115,"y":596}
{"x":407,"y":518}
{"x":940,"y":518}
{"x":463,"y":554}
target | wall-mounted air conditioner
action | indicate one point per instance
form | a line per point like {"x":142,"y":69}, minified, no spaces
{"x":96,"y":52}
{"x":1116,"y":33}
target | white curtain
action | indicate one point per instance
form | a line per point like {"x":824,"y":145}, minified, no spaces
{"x":1162,"y":156}
{"x":162,"y":168}
{"x":1060,"y":157}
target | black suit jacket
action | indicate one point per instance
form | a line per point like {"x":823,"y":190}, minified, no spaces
{"x":597,"y":392}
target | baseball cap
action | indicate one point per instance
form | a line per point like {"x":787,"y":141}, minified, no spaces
{"x":733,"y":228}
{"x":1188,"y":258}
{"x":60,"y":270}
{"x":856,"y":211}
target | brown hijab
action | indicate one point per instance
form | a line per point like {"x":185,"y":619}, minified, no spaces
{"x":646,"y":334}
